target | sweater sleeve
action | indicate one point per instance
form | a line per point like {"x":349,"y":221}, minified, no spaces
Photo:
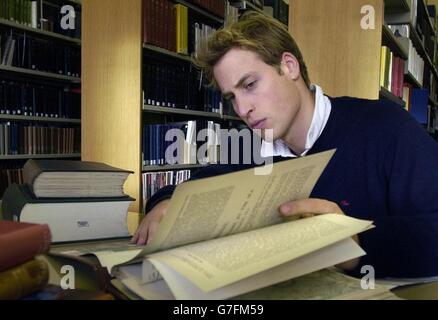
{"x":404,"y":242}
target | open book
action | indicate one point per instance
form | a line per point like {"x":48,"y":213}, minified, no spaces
{"x":223,"y":236}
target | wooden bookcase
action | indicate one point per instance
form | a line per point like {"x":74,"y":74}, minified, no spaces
{"x":113,"y":113}
{"x":111,"y":90}
{"x":342,"y":57}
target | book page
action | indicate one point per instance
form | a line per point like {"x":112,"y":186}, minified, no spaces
{"x":109,"y":252}
{"x":327,"y":284}
{"x":215,"y":263}
{"x":236,"y":202}
{"x":336,"y":253}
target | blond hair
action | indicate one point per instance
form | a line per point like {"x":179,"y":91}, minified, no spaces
{"x":256,"y":32}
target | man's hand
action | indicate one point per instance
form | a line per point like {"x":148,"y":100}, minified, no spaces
{"x":148,"y":226}
{"x":310,"y":207}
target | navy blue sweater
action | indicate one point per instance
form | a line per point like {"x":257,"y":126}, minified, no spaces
{"x":385,"y":169}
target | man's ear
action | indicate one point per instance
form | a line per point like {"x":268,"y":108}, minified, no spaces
{"x":290,"y":66}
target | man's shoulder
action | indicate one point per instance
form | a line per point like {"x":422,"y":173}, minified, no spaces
{"x":370,"y":112}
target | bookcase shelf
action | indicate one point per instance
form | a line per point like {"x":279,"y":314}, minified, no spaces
{"x":248,"y":5}
{"x":46,"y":34}
{"x":433,"y":102}
{"x":199,"y":10}
{"x":149,"y":108}
{"x":421,"y":49}
{"x":424,"y":7}
{"x":39,"y":156}
{"x":411,"y":79}
{"x":74,"y":2}
{"x":397,"y":6}
{"x":36,"y":73}
{"x":166,"y":52}
{"x":384,"y":93}
{"x":233,"y":118}
{"x":38,"y":119}
{"x":393,"y":42}
{"x":167,"y":110}
{"x":173,"y":167}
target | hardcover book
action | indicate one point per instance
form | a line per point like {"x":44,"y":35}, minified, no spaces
{"x":69,"y":219}
{"x":21,"y":242}
{"x":70,"y":179}
{"x":22,"y":280}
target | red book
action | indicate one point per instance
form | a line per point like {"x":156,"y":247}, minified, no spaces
{"x":21,"y":242}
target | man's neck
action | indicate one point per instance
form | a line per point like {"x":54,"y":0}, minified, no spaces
{"x":297,"y":134}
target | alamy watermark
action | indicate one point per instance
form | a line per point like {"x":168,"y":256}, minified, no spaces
{"x":68,"y":280}
{"x":368,"y":281}
{"x":222,"y":146}
{"x":368,"y":21}
{"x":68,"y":20}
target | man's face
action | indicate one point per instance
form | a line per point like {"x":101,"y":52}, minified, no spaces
{"x":262,"y":97}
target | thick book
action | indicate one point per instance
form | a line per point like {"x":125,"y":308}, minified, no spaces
{"x":21,"y":242}
{"x":24,"y":279}
{"x":68,"y":178}
{"x":223,"y":236}
{"x":69,"y":219}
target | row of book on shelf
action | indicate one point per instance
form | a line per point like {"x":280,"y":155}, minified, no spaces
{"x":182,"y":145}
{"x":39,"y":99}
{"x":392,"y":70}
{"x":154,"y":181}
{"x":23,"y":138}
{"x":171,"y":26}
{"x":178,"y":86}
{"x":415,"y":63}
{"x":42,"y":15}
{"x":10,"y":174}
{"x":19,"y":49}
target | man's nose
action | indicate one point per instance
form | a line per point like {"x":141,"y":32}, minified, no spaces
{"x":243,"y":106}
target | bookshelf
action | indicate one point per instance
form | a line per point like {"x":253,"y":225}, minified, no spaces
{"x":113,"y":111}
{"x":44,"y":33}
{"x":336,"y":53}
{"x":39,"y":74}
{"x":39,"y":85}
{"x":172,"y":167}
{"x":40,"y":156}
{"x":10,"y":117}
{"x":201,"y":11}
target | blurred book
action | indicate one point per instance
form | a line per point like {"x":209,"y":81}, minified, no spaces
{"x":23,"y":279}
{"x":21,"y":242}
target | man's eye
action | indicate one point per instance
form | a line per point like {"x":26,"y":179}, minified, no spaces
{"x":250,"y":85}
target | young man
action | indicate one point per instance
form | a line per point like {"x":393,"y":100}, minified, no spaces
{"x":385,"y":168}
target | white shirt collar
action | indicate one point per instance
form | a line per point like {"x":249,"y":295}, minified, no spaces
{"x":321,"y":114}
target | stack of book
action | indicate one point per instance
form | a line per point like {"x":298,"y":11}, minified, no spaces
{"x":79,"y":200}
{"x":21,"y":273}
